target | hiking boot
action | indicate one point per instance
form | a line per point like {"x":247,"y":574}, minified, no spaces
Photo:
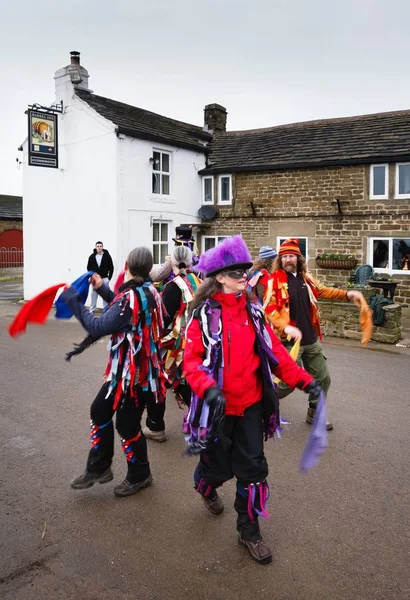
{"x":259,"y":551}
{"x":311,"y":416}
{"x":213,"y":503}
{"x":128,"y":489}
{"x":87,"y":479}
{"x":157,"y":436}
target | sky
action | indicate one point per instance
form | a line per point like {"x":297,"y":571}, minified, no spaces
{"x":268,"y":62}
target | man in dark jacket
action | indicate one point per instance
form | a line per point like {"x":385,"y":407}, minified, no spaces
{"x":100,"y":262}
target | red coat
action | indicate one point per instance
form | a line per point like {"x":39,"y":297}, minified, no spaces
{"x":242,"y":382}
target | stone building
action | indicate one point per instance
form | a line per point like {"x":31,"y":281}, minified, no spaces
{"x":339,"y":185}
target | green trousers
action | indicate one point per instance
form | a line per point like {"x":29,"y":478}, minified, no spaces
{"x":312,"y":359}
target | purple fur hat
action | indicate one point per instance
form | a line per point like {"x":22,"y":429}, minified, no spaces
{"x":232,"y":252}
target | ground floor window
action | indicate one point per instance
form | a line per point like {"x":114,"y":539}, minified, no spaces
{"x":159,"y":241}
{"x":390,"y":254}
{"x":210,"y":241}
{"x":303,"y":243}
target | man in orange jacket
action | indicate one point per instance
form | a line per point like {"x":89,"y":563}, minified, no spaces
{"x":294,"y":314}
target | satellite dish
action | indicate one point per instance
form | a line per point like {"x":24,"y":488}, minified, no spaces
{"x":207,"y":213}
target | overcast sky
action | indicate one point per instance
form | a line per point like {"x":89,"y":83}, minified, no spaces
{"x":267,"y":62}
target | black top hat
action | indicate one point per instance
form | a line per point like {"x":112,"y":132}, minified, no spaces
{"x":183,"y":233}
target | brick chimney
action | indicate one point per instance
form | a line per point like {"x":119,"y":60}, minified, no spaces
{"x":73,"y":75}
{"x":215,"y":118}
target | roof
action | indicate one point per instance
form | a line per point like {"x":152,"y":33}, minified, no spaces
{"x":11,"y":208}
{"x":362,"y":139}
{"x":143,"y":124}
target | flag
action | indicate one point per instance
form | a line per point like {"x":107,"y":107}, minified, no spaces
{"x":35,"y":310}
{"x":317,"y":442}
{"x":81,"y":285}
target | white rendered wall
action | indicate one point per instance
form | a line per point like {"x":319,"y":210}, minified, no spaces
{"x":66,"y":210}
{"x":138,"y":206}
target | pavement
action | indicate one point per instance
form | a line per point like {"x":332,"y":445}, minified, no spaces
{"x":341,"y":532}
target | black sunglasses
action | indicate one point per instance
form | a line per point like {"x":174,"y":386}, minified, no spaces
{"x":237,"y":274}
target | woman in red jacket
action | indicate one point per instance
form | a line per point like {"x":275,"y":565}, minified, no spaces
{"x":229,"y":359}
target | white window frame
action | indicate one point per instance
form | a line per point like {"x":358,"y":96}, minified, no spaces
{"x":282,"y":238}
{"x":397,"y":195}
{"x":389,"y":269}
{"x":384,"y":196}
{"x":211,"y":177}
{"x":159,"y":242}
{"x":217,"y":238}
{"x":220,"y":201}
{"x":160,"y":172}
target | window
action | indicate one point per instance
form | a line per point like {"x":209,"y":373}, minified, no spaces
{"x":379,"y":182}
{"x":159,"y":241}
{"x":210,"y":241}
{"x":207,"y":190}
{"x":390,"y":254}
{"x":403,"y":180}
{"x":161,"y":173}
{"x":225,"y":189}
{"x":303,"y":243}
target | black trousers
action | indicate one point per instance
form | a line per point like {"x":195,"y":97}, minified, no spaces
{"x":128,"y":425}
{"x":238,"y":453}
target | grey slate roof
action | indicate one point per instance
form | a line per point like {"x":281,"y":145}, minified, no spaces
{"x":371,"y":138}
{"x":143,"y":124}
{"x":11,"y":208}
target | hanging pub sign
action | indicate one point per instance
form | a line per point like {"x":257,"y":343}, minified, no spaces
{"x":43,"y":139}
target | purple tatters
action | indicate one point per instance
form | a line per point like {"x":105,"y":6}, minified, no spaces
{"x":317,"y":442}
{"x":258,"y":495}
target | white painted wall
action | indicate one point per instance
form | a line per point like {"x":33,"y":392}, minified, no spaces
{"x":66,"y":210}
{"x":138,"y":206}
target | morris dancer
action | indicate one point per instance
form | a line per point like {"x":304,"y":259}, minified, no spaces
{"x":259,"y":275}
{"x":176,"y":297}
{"x":230,"y":354}
{"x":134,"y":377}
{"x":294,"y":313}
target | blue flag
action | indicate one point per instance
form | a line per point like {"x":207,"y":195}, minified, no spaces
{"x":81,"y":285}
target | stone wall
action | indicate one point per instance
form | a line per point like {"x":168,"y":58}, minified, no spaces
{"x":341,"y":319}
{"x":301,"y":202}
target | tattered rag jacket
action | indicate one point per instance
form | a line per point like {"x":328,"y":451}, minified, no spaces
{"x":278,"y":309}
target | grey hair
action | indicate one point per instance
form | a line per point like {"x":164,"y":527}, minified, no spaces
{"x":140,"y":263}
{"x":181,"y":255}
{"x":162,"y":271}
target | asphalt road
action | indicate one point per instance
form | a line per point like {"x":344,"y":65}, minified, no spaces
{"x":340,"y":532}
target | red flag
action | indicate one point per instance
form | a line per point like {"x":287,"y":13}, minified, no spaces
{"x":35,"y":310}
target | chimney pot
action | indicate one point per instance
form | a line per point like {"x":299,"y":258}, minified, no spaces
{"x":75,"y":57}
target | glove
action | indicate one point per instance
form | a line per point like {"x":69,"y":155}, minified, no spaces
{"x":212,"y":394}
{"x":314,"y":390}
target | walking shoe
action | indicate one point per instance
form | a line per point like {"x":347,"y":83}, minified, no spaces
{"x":257,"y":549}
{"x":157,"y":436}
{"x":87,"y":479}
{"x":310,"y":418}
{"x":128,"y":489}
{"x":213,"y":503}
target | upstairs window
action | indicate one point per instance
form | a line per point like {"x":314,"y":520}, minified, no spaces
{"x":161,"y":173}
{"x":403,"y":180}
{"x":159,"y":241}
{"x":379,"y":182}
{"x":208,"y":190}
{"x":225,"y":189}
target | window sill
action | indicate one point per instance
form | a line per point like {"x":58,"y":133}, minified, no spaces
{"x":402,"y":197}
{"x":404,"y":272}
{"x":225,"y":203}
